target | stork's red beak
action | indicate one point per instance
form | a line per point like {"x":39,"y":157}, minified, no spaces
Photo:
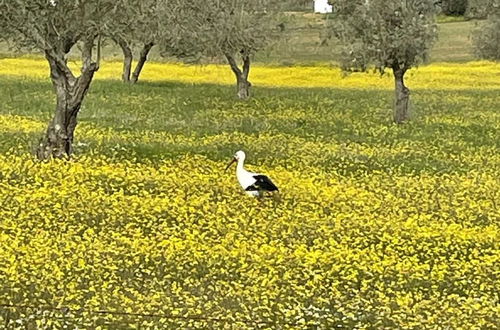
{"x":231,"y":163}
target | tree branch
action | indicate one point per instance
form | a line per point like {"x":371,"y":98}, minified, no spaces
{"x":88,"y":45}
{"x":142,"y":60}
{"x":123,"y":44}
{"x":246,"y":66}
{"x":233,"y":64}
{"x":127,"y":56}
{"x":58,"y":65}
{"x":88,"y":69}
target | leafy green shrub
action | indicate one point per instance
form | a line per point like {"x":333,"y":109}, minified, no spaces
{"x":486,"y":37}
{"x":454,"y":7}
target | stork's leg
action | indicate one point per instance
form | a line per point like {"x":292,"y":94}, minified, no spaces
{"x":276,"y":196}
{"x":260,"y":195}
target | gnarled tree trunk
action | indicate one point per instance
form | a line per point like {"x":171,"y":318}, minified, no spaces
{"x":402,"y":97}
{"x":127,"y":58}
{"x":127,"y":74}
{"x":242,"y":83}
{"x":70,"y":92}
{"x":143,"y":57}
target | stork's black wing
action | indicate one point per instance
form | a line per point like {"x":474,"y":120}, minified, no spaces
{"x":262,"y":183}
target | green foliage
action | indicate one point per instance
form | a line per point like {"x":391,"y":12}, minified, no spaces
{"x":55,"y":25}
{"x":486,"y":38}
{"x":217,"y":28}
{"x":139,"y":21}
{"x":298,"y":5}
{"x":303,"y":37}
{"x":478,"y":8}
{"x":454,"y":7}
{"x":387,"y":34}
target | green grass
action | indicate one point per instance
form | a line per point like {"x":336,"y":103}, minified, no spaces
{"x":348,"y":117}
{"x":454,"y":43}
{"x":450,"y":19}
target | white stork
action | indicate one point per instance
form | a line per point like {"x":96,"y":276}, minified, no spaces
{"x":254,"y":184}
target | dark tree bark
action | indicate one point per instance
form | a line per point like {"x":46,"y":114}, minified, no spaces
{"x":127,"y":75}
{"x":70,"y":92}
{"x":143,"y":57}
{"x":127,"y":58}
{"x":402,"y":97}
{"x":242,"y":83}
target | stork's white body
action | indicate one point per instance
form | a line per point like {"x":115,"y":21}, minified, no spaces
{"x":246,"y":178}
{"x":254,"y":184}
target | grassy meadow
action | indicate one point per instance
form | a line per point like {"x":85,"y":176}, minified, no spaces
{"x":379,"y":226}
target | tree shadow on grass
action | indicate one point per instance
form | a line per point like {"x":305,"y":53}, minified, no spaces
{"x":322,"y":116}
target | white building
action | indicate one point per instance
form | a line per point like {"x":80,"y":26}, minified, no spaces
{"x":322,"y":6}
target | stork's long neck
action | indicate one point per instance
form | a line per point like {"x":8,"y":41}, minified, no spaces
{"x":239,"y":167}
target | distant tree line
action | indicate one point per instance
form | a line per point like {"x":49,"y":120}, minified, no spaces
{"x":298,"y":5}
{"x":467,"y":8}
{"x":453,"y":7}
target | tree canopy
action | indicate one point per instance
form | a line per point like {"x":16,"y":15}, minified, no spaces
{"x":141,"y":24}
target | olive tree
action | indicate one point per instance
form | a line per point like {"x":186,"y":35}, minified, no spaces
{"x":55,"y":27}
{"x":388,"y":34}
{"x":233,"y":29}
{"x":486,"y":38}
{"x":478,"y":8}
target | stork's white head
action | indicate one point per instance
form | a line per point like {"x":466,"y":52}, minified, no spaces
{"x":239,"y":156}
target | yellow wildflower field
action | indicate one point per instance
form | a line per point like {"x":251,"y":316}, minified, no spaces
{"x":378,"y":226}
{"x":479,"y":75}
